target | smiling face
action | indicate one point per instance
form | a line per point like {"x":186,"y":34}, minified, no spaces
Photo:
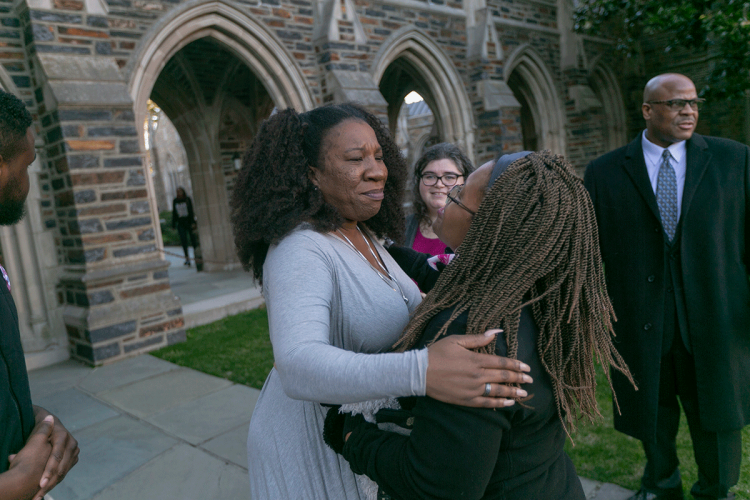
{"x":14,"y":181}
{"x":353,"y":175}
{"x":434,"y":196}
{"x":664,"y":126}
{"x":452,"y":222}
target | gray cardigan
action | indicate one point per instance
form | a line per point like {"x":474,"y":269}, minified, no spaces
{"x":331,"y":320}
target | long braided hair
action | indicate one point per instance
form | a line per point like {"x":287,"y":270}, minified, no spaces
{"x":534,"y":241}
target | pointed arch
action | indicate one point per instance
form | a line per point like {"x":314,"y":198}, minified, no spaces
{"x":605,"y":86}
{"x":248,"y":39}
{"x":538,"y":89}
{"x":447,"y":92}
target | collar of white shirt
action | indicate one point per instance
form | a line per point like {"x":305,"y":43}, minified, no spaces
{"x":652,"y":153}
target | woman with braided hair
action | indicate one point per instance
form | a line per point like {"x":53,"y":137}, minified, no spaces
{"x":527,"y":261}
{"x":315,"y":191}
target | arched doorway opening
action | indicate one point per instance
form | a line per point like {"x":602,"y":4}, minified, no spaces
{"x":409,"y":61}
{"x":542,"y":115}
{"x":216,"y":73}
{"x":216,"y":104}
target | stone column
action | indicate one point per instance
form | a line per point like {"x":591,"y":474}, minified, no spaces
{"x":497,"y":111}
{"x":114,"y":283}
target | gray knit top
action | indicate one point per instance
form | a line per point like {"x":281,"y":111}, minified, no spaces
{"x":329,"y":315}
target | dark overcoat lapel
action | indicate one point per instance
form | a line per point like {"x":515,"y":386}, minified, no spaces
{"x":635,"y":166}
{"x":698,"y":159}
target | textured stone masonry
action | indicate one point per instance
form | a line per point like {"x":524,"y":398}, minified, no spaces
{"x":491,"y":72}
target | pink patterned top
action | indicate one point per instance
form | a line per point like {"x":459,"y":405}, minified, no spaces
{"x":432,"y":246}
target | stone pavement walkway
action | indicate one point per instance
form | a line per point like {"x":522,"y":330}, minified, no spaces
{"x":208,"y":297}
{"x":151,"y":430}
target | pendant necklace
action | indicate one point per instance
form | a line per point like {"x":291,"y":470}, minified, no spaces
{"x":372,"y":251}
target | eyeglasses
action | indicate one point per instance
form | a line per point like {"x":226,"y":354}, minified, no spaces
{"x":429,"y":179}
{"x":679,"y":104}
{"x":453,"y":197}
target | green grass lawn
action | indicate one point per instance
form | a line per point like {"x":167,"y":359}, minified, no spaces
{"x":238,"y":348}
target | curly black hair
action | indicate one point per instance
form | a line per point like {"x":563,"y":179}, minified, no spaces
{"x":442,"y":151}
{"x":274,"y":194}
{"x":15,"y":119}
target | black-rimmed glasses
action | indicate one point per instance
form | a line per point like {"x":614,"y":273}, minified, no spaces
{"x":453,"y":197}
{"x":679,"y":104}
{"x":429,"y":179}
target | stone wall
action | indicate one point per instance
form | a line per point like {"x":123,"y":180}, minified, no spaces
{"x":86,"y":68}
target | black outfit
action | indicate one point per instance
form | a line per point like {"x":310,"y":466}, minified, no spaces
{"x":415,"y":265}
{"x":472,"y":453}
{"x":16,"y":412}
{"x":412,"y":224}
{"x":183,"y":219}
{"x":683,"y":307}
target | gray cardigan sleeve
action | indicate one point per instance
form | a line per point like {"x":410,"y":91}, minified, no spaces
{"x":299,"y":290}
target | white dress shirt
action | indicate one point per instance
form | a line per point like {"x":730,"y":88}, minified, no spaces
{"x":652,"y":154}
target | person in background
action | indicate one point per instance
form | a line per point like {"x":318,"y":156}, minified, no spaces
{"x":315,"y":193}
{"x":183,"y":218}
{"x":673,"y":209}
{"x":440,"y":167}
{"x":36,"y":451}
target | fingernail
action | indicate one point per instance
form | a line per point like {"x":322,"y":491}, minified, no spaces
{"x":44,"y":482}
{"x":521,"y":393}
{"x":525,"y":367}
{"x":509,"y":402}
{"x":490,"y":333}
{"x":527,"y":379}
{"x":49,"y":418}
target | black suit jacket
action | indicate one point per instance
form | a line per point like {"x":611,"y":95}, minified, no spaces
{"x":713,"y":259}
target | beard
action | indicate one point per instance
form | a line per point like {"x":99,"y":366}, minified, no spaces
{"x":11,"y":210}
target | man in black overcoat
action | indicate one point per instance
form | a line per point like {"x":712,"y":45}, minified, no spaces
{"x":673,"y":209}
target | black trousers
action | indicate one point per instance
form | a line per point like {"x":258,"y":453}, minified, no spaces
{"x":717,"y":454}
{"x":185,"y":232}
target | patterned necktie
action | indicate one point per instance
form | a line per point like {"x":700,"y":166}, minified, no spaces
{"x":666,"y":195}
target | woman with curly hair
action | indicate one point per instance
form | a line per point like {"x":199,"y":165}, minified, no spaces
{"x":528,"y":262}
{"x":440,"y":167}
{"x":315,"y":192}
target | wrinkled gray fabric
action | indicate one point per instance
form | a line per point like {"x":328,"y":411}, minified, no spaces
{"x":326,"y":307}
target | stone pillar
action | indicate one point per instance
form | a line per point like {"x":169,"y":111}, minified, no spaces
{"x":114,"y":283}
{"x":497,"y":111}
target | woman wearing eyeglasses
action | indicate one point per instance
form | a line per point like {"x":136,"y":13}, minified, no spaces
{"x":439,"y":169}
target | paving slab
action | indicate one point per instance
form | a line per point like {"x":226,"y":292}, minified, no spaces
{"x":183,"y":472}
{"x":109,"y":451}
{"x":123,"y":373}
{"x":589,"y":487}
{"x":56,"y":378}
{"x":161,"y":392}
{"x":232,"y":445}
{"x":609,"y":491}
{"x":209,"y":416}
{"x":75,"y":409}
